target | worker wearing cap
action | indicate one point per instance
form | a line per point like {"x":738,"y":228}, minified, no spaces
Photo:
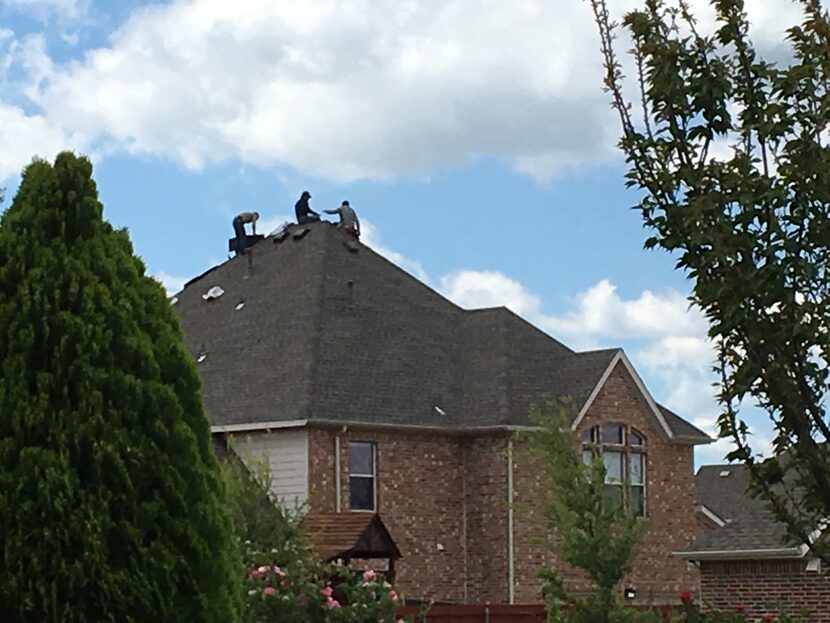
{"x":239,"y":222}
{"x":348,"y":219}
{"x":303,"y":211}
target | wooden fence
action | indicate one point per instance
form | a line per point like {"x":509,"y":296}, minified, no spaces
{"x":498,"y":613}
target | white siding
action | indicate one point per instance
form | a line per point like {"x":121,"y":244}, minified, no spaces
{"x":285,"y":453}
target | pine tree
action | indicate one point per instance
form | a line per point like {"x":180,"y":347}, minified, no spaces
{"x":110,"y":496}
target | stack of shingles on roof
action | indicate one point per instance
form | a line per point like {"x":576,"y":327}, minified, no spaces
{"x":333,"y":335}
{"x":746,"y":528}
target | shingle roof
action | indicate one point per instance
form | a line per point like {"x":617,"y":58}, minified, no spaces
{"x":680,"y":427}
{"x":349,"y":535}
{"x":750,"y":531}
{"x":754,"y":534}
{"x":722,"y":489}
{"x":331,"y":331}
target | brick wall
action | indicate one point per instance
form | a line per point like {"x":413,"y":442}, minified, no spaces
{"x":657,"y":576}
{"x":485,"y":495}
{"x":419,"y":498}
{"x":762,"y":587}
{"x":452,"y":490}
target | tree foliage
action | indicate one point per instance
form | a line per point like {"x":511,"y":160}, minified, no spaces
{"x":730,"y":153}
{"x":588,"y":529}
{"x":110,"y":495}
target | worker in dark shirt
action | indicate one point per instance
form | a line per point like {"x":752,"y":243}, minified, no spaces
{"x":303,"y":211}
{"x":239,"y":222}
{"x":348,"y":219}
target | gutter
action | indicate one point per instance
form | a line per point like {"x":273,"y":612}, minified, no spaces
{"x":446,"y":430}
{"x":754,"y":554}
{"x":450,"y":430}
{"x":252,"y":426}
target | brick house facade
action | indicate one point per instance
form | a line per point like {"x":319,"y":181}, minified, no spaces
{"x":744,"y":558}
{"x":318,"y":345}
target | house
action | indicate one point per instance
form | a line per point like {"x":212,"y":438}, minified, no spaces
{"x":744,"y":558}
{"x":369,"y":392}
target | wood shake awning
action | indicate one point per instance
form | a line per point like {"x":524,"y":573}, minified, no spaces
{"x":349,"y":535}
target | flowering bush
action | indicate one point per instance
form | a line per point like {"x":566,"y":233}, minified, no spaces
{"x":692,"y":612}
{"x":318,"y":594}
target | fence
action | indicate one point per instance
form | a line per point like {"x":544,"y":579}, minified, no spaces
{"x":498,"y":613}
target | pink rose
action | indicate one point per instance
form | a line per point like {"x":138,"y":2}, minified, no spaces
{"x":368,"y":575}
{"x":326,"y":592}
{"x":258,"y":573}
{"x":393,"y":596}
{"x":269,"y":590}
{"x":279,"y":571}
{"x":332,"y":603}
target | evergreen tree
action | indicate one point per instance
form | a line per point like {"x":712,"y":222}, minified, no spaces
{"x":110,"y":495}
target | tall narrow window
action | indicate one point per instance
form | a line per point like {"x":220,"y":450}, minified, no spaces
{"x":361,"y":476}
{"x":623,"y":454}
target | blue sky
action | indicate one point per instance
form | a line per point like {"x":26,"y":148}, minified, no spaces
{"x":472,"y":137}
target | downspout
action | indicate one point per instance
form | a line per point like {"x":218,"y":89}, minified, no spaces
{"x":337,"y":472}
{"x":510,"y":568}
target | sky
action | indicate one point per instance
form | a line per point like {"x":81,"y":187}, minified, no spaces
{"x":471,"y":136}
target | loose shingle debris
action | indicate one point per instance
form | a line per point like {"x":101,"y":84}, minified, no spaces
{"x":301,"y":233}
{"x":351,"y":246}
{"x":439,"y":410}
{"x":201,"y":357}
{"x":214,"y":293}
{"x":281,"y":236}
{"x":174,"y":300}
{"x":240,"y":305}
{"x":725,"y":473}
{"x":281,"y":229}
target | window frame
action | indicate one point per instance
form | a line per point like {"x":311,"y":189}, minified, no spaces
{"x":591,"y":441}
{"x":373,"y":476}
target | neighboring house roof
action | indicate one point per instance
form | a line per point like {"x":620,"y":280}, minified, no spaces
{"x":316,"y":327}
{"x":722,"y":490}
{"x":349,"y":535}
{"x":749,"y":530}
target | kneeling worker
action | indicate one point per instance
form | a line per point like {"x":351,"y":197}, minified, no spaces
{"x":348,"y":219}
{"x":239,"y":222}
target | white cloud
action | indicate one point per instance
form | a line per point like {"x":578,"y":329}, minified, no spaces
{"x":364,"y":89}
{"x":39,"y":136}
{"x":344,"y":90}
{"x":472,"y":289}
{"x":170,"y":282}
{"x":600,"y":311}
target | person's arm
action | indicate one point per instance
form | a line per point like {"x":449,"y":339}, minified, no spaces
{"x":253,"y":226}
{"x":335,"y":211}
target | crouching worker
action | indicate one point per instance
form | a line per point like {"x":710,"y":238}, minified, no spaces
{"x":303,"y":211}
{"x":239,"y":222}
{"x":348,"y":219}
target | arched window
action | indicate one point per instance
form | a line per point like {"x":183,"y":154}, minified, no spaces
{"x":623,"y":452}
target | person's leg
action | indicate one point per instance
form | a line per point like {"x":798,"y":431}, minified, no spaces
{"x":239,"y":230}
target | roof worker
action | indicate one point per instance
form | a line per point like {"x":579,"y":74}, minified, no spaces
{"x":303,"y":211}
{"x":348,"y":219}
{"x":239,"y":222}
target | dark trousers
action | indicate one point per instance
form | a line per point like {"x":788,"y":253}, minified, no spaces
{"x":241,"y":236}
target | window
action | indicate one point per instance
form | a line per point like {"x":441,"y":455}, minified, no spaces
{"x":623,"y":454}
{"x":361,"y":476}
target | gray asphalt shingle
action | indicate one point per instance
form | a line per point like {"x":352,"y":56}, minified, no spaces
{"x":337,"y":333}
